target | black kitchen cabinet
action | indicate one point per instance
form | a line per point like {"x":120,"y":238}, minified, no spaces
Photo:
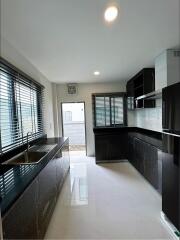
{"x":142,"y":83}
{"x":140,"y":147}
{"x":171,"y":179}
{"x":110,"y":147}
{"x":130,"y":95}
{"x":30,"y":215}
{"x":131,"y":149}
{"x":20,"y":222}
{"x":62,"y":165}
{"x":130,"y":88}
{"x":151,"y":164}
{"x":66,"y":158}
{"x":47,"y":189}
{"x":59,"y":170}
{"x":160,"y":171}
{"x":147,"y":159}
{"x":102,"y":148}
{"x":139,"y":155}
{"x":50,"y":183}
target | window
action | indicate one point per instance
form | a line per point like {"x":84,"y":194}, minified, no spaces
{"x":67,"y":116}
{"x":109,"y":109}
{"x":21,"y":104}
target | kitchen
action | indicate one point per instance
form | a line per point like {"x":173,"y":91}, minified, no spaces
{"x":122,"y":60}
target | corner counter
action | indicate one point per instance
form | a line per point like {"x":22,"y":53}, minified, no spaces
{"x":141,"y":147}
{"x":111,"y":144}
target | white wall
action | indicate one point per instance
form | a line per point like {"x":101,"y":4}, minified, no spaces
{"x":149,"y":118}
{"x":167,"y":69}
{"x":161,"y":71}
{"x":10,"y":53}
{"x":83,"y":94}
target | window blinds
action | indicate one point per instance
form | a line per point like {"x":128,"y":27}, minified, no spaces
{"x":21,"y":108}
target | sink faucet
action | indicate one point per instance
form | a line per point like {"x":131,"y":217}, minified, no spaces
{"x":28,"y":134}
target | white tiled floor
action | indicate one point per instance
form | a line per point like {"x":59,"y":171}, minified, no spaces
{"x":109,"y":201}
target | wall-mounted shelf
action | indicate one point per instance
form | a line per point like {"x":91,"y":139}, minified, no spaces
{"x":139,"y":86}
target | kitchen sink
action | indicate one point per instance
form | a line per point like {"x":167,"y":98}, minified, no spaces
{"x":26,"y":158}
{"x":42,"y":147}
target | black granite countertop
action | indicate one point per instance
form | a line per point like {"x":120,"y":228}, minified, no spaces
{"x":150,"y":136}
{"x":15,"y":179}
{"x":153,"y":133}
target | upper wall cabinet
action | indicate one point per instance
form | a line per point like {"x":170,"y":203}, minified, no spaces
{"x":141,"y":84}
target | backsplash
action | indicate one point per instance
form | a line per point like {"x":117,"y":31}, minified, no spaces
{"x":148,"y":118}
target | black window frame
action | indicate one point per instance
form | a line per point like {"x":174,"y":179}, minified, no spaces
{"x":27,"y":81}
{"x":110,"y":95}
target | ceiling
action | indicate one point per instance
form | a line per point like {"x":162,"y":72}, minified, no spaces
{"x":67,"y":40}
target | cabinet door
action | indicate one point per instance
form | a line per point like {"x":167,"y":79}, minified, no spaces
{"x":59,"y":170}
{"x":170,"y":179}
{"x":149,"y":86}
{"x":135,"y":153}
{"x":151,"y":164}
{"x":139,"y":155}
{"x":149,"y":80}
{"x":160,"y":171}
{"x":102,"y":148}
{"x":66,"y":158}
{"x":47,"y":190}
{"x":62,"y":165}
{"x":130,"y":95}
{"x":20,"y":222}
{"x":130,"y":88}
{"x":111,"y":147}
{"x":130,"y":150}
{"x":119,"y":146}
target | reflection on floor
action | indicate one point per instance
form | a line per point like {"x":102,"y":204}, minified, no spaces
{"x":75,"y":148}
{"x":77,"y":153}
{"x":109,"y":201}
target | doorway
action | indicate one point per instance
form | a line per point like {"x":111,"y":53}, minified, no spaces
{"x":73,"y":126}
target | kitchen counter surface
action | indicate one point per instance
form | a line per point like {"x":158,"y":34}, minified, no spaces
{"x":150,"y":136}
{"x":152,"y":133}
{"x":15,"y":179}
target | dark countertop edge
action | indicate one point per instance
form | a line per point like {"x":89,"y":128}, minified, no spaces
{"x":50,"y":156}
{"x":148,"y":132}
{"x":154,"y":138}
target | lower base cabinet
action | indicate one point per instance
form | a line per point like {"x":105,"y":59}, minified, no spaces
{"x":151,"y":165}
{"x":47,"y":189}
{"x":146,"y":159}
{"x":29,"y":217}
{"x":20,"y":222}
{"x":62,"y":165}
{"x":111,"y":147}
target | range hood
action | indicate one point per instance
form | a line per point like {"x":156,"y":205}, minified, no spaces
{"x":150,"y":96}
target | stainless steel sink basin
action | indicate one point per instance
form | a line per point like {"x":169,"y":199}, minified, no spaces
{"x":26,"y":158}
{"x":42,"y":147}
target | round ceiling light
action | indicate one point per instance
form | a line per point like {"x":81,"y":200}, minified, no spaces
{"x":111,"y":13}
{"x":96,"y":73}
